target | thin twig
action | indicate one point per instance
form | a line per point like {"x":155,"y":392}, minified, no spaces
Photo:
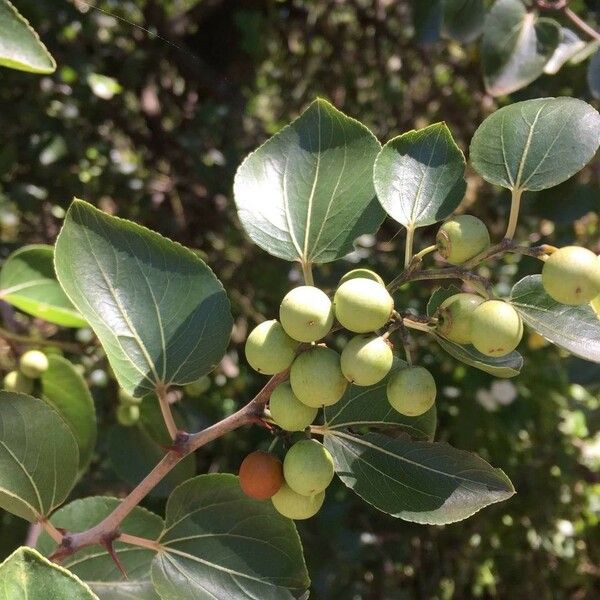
{"x":579,"y":22}
{"x":24,"y":339}
{"x":134,"y":540}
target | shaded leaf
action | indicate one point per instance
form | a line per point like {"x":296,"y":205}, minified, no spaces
{"x":419,"y":176}
{"x":28,"y":282}
{"x":159,"y":311}
{"x":369,"y":407}
{"x":427,"y":20}
{"x":39,"y":457}
{"x":20,"y":45}
{"x":439,"y":295}
{"x":307,"y":193}
{"x":593,"y":75}
{"x":516,"y":46}
{"x":575,"y":328}
{"x":464,"y":19}
{"x":504,"y":366}
{"x":218,"y":543}
{"x":143,"y":453}
{"x":536,"y":144}
{"x":65,"y":389}
{"x":569,"y":46}
{"x":93,"y":564}
{"x":416,"y":481}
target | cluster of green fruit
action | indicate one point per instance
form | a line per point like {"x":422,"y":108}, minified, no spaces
{"x":32,"y":365}
{"x":296,"y":487}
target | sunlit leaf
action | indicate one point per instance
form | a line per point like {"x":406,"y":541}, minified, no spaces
{"x":569,"y":46}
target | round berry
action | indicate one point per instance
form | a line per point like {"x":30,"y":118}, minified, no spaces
{"x":308,"y":467}
{"x":366,"y":359}
{"x":454,"y":317}
{"x":571,"y":275}
{"x":316,"y":377}
{"x":128,"y":414}
{"x":496,"y":328}
{"x":362,"y":274}
{"x":33,"y":363}
{"x":127,"y":398}
{"x":295,"y":506}
{"x":411,"y":391}
{"x":269,"y":349}
{"x":15,"y":381}
{"x":461,"y":238}
{"x":362,"y":305}
{"x":261,"y":475}
{"x":306,"y":313}
{"x":287,"y":411}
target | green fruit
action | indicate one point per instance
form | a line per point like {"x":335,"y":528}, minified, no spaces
{"x":127,"y":398}
{"x":362,"y":305}
{"x":33,"y":363}
{"x":361,"y":274}
{"x":454,"y":317}
{"x":287,"y":411}
{"x":269,"y":349}
{"x":15,"y":381}
{"x":596,"y":305}
{"x":316,"y":377}
{"x":306,"y":313}
{"x":198,"y":387}
{"x":295,"y":506}
{"x":308,"y":467}
{"x":571,"y":275}
{"x":461,"y":238}
{"x":128,"y":414}
{"x":411,"y":391}
{"x":496,"y":328}
{"x":366,"y":359}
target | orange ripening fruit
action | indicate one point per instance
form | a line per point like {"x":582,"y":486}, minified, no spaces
{"x":261,"y":475}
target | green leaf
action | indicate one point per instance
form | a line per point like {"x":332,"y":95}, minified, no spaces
{"x":369,"y":407}
{"x":575,"y":328}
{"x":218,"y":543}
{"x":593,"y":75}
{"x":464,"y":19}
{"x":39,"y":457}
{"x":20,"y":45}
{"x":160,"y":313}
{"x":307,"y":193}
{"x":93,"y":564}
{"x":569,"y":46}
{"x":427,"y":20}
{"x":439,"y":295}
{"x":419,"y":176}
{"x":504,"y":366}
{"x":143,"y":453}
{"x":416,"y":481}
{"x":66,"y":391}
{"x":28,"y":282}
{"x":27,"y":575}
{"x":516,"y":46}
{"x":536,"y":144}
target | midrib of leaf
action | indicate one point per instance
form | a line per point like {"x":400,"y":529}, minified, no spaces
{"x":304,"y":256}
{"x":361,"y":441}
{"x":343,"y":408}
{"x":23,"y":286}
{"x":517,"y":183}
{"x":286,"y":208}
{"x":123,"y":312}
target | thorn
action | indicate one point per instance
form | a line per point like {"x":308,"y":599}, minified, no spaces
{"x":107,"y":543}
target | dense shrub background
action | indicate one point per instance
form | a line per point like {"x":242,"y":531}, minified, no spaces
{"x":196,"y":84}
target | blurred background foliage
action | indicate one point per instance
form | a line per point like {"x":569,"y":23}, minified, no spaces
{"x":153,"y":106}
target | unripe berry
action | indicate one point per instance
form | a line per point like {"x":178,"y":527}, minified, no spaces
{"x":295,"y":506}
{"x":269,"y":349}
{"x":454,"y":317}
{"x":362,"y":305}
{"x":308,"y":467}
{"x":127,"y":398}
{"x":261,"y":475}
{"x":306,"y":313}
{"x":15,"y":381}
{"x":316,"y":377}
{"x":366,"y":359}
{"x":287,"y":411}
{"x":461,"y":238}
{"x":571,"y":275}
{"x":128,"y":414}
{"x":33,"y":363}
{"x":411,"y":391}
{"x":361,"y":274}
{"x":496,"y":328}
{"x":198,"y":387}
